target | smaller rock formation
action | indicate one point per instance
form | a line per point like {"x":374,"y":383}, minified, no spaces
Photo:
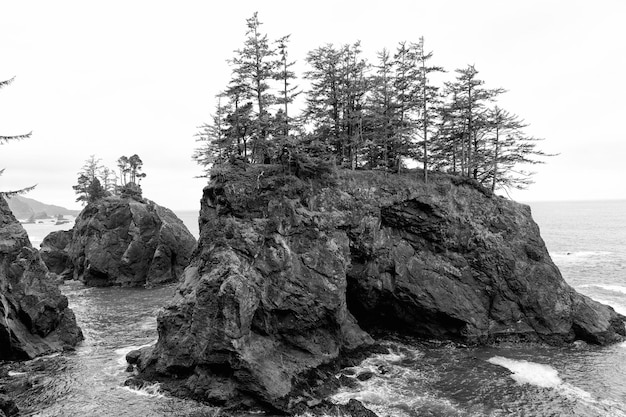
{"x":54,"y":253}
{"x":125,"y":241}
{"x":34,"y":315}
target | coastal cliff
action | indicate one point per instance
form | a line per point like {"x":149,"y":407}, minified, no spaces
{"x":34,"y":315}
{"x":290,"y":276}
{"x":122,"y":241}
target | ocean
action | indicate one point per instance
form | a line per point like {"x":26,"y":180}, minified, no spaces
{"x":587,"y":241}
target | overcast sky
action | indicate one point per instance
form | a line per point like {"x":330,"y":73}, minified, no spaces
{"x":115,"y":78}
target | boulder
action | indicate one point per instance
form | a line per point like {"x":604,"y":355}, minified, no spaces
{"x":54,"y":253}
{"x":128,"y":242}
{"x":287,"y":274}
{"x":34,"y":315}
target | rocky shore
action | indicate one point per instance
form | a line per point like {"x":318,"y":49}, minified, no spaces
{"x":291,"y":277}
{"x":34,"y":315}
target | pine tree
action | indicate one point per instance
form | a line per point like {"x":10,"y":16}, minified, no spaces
{"x":288,"y":91}
{"x":471,"y":99}
{"x":6,"y":139}
{"x":88,"y":185}
{"x":215,"y":143}
{"x":382,"y":108}
{"x":336,"y":98}
{"x":254,"y":68}
{"x":323,"y":101}
{"x":429,"y":99}
{"x":510,"y":149}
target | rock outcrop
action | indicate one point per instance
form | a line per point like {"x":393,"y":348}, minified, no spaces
{"x":284,"y":267}
{"x":34,"y":315}
{"x":54,"y":252}
{"x":124,"y":241}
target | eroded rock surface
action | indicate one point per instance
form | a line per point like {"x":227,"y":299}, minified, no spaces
{"x":128,"y":242}
{"x":34,"y":315}
{"x":54,"y":252}
{"x":284,"y":267}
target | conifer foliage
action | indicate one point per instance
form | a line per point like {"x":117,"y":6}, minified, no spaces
{"x":6,"y":139}
{"x":96,"y":181}
{"x":361,"y":115}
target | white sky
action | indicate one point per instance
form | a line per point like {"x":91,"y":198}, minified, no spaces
{"x":114,"y":78}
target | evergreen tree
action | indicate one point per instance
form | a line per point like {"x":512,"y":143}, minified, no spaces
{"x":88,"y":186}
{"x":5,"y":139}
{"x":215,"y":143}
{"x":429,"y":100}
{"x":323,"y":98}
{"x":288,"y":91}
{"x":136,"y":164}
{"x":254,"y":68}
{"x":336,"y":98}
{"x":108,"y":180}
{"x":382,"y":109}
{"x":124,"y":167}
{"x":471,"y":99}
{"x":510,"y":149}
{"x":360,"y":120}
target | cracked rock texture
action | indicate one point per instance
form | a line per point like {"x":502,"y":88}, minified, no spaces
{"x":34,"y":315}
{"x":123,"y":241}
{"x":289,"y":276}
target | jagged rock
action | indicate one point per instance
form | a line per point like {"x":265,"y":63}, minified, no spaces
{"x":283,"y":268}
{"x":355,"y":408}
{"x":34,"y":315}
{"x":453,"y":262}
{"x":128,"y":242}
{"x":54,"y":253}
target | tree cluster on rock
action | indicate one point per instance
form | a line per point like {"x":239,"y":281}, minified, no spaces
{"x":96,"y":181}
{"x":365,"y":115}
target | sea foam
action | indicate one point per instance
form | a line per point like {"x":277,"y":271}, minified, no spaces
{"x":532,"y":373}
{"x":396,"y":387}
{"x":148,"y":390}
{"x":609,"y":287}
{"x":122,"y":352}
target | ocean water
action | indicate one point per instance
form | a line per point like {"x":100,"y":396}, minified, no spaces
{"x":587,"y":240}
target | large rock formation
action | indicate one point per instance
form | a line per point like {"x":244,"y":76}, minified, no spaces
{"x":283,"y":268}
{"x":126,"y":241}
{"x":34,"y":316}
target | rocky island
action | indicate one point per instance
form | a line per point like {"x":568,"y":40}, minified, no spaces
{"x":121,"y":240}
{"x":291,"y":276}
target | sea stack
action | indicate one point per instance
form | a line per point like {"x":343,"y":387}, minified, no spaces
{"x":291,"y":275}
{"x":34,"y":315}
{"x":124,"y":241}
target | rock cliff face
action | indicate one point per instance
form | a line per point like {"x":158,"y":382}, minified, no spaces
{"x":283,"y":268}
{"x":128,"y":242}
{"x":34,"y":316}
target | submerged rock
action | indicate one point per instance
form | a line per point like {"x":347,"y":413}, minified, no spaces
{"x":34,"y":315}
{"x":126,"y":241}
{"x":284,"y":267}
